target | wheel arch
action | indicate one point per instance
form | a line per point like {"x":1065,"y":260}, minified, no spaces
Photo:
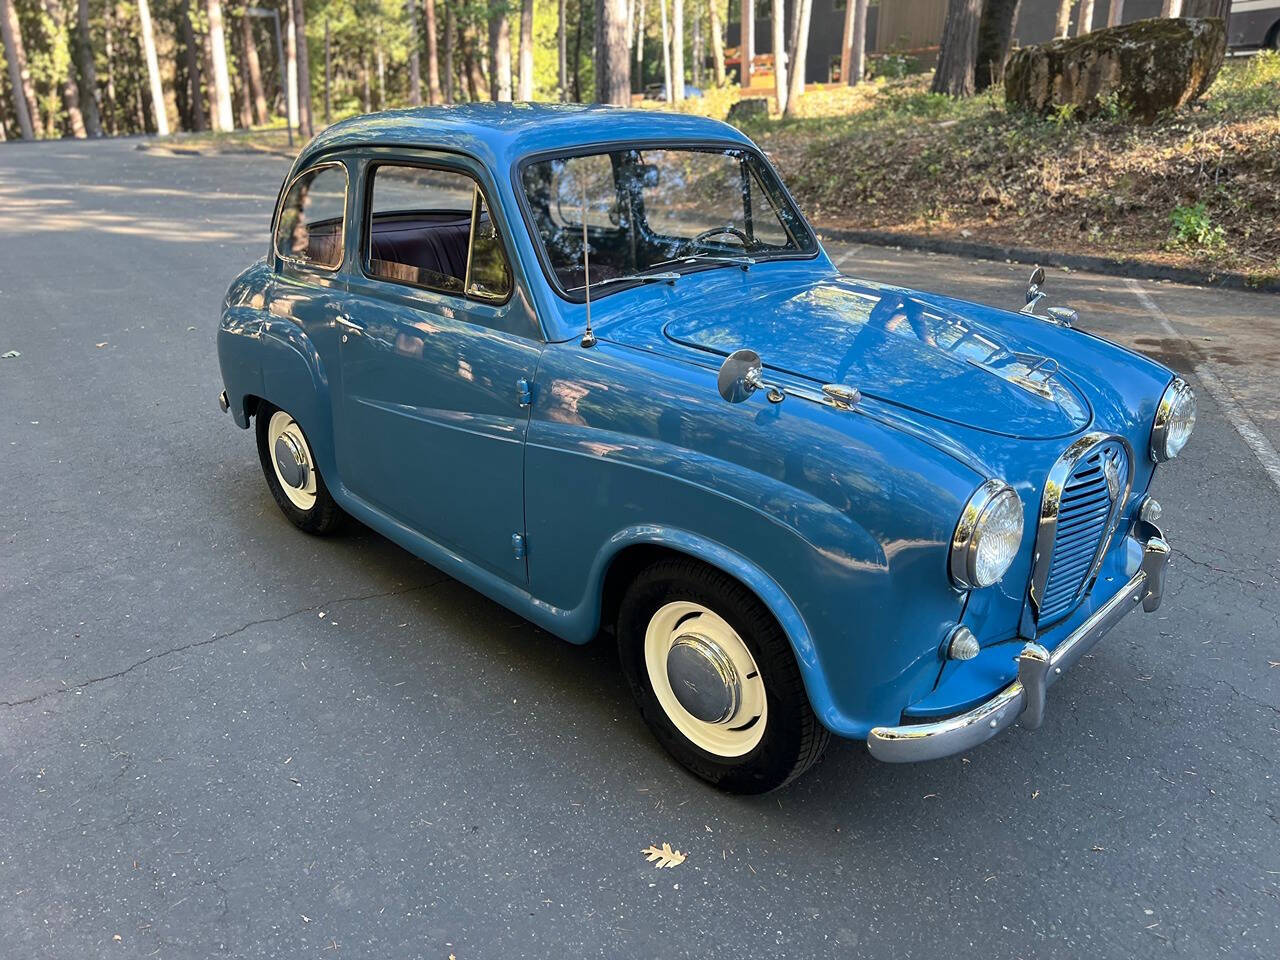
{"x":632,"y":550}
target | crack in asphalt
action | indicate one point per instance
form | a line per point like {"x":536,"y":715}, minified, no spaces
{"x":183,"y":648}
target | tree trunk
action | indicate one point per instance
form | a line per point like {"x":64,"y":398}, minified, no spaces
{"x":577,"y":51}
{"x":244,"y":103}
{"x":1171,"y":8}
{"x":112,"y":104}
{"x":153,"y":68}
{"x":959,"y":51}
{"x":190,"y":91}
{"x":666,"y":54}
{"x":698,"y":50}
{"x":1115,"y":16}
{"x":88,"y":72}
{"x":853,"y":59}
{"x":253,"y":70}
{"x":1084,"y":18}
{"x":68,"y":88}
{"x":380,"y":60}
{"x":717,"y":43}
{"x":526,"y":51}
{"x":562,"y":48}
{"x":450,"y":41}
{"x":15,"y":55}
{"x":1063,"y":28}
{"x":747,"y":48}
{"x":779,"y":24}
{"x":677,"y":50}
{"x":366,"y":96}
{"x":433,"y":51}
{"x":291,"y":66}
{"x":995,"y":34}
{"x":499,"y":54}
{"x":800,"y":53}
{"x":328,"y":74}
{"x":221,"y":76}
{"x":613,"y":54}
{"x":306,"y":123}
{"x":415,"y":61}
{"x":476,"y":80}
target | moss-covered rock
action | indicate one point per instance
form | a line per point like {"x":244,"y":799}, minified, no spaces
{"x":1143,"y":67}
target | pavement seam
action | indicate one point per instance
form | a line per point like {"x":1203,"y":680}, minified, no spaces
{"x":213,"y":639}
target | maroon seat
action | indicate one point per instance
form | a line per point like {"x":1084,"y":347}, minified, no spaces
{"x":431,"y":244}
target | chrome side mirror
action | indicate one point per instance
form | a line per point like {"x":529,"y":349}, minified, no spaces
{"x":741,"y":375}
{"x":1062,"y":316}
{"x":1034,"y":293}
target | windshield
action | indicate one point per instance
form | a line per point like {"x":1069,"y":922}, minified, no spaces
{"x":659,"y":209}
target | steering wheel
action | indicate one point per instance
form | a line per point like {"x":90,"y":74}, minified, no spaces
{"x":716,"y":231}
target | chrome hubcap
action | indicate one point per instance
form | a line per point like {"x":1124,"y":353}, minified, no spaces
{"x":292,"y":462}
{"x":703,"y":678}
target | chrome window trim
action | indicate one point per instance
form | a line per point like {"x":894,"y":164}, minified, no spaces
{"x":284,"y":196}
{"x":1164,"y":410}
{"x":1047,"y":525}
{"x":964,"y":546}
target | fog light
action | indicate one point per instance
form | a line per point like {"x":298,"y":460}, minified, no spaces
{"x":963,"y":645}
{"x":1150,"y":510}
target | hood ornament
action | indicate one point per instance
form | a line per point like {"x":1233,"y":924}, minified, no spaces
{"x":1059,"y":316}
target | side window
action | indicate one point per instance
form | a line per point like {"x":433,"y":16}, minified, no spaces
{"x":310,"y":228}
{"x":431,"y":228}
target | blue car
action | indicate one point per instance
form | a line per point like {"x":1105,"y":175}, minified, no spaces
{"x":595,"y":364}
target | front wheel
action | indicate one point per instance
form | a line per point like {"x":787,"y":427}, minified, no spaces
{"x":292,"y":474}
{"x":715,"y":678}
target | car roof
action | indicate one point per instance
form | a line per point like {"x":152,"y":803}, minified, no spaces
{"x":502,"y":133}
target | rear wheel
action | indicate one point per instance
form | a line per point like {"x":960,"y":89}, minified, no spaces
{"x":292,"y":474}
{"x":715,"y":678}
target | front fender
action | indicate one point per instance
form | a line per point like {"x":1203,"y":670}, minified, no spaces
{"x":840,"y":524}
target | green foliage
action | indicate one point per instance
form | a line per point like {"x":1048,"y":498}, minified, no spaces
{"x":892,"y":66}
{"x":1192,"y":229}
{"x":1251,"y":87}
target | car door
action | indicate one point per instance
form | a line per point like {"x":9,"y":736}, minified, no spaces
{"x":438,"y":347}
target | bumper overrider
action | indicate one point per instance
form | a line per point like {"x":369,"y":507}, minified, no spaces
{"x":1038,"y":669}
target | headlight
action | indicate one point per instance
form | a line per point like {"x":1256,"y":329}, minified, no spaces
{"x":987,"y":537}
{"x":1175,"y":419}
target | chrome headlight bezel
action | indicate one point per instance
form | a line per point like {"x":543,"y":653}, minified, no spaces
{"x":987,"y":503}
{"x":1178,"y":398}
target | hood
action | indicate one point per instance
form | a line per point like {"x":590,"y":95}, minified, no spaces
{"x":955,"y":363}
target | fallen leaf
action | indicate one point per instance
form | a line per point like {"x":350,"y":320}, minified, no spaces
{"x":118,"y":939}
{"x":101,"y":345}
{"x":666,"y":857}
{"x":305,"y":918}
{"x":10,"y":355}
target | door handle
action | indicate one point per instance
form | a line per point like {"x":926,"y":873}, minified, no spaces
{"x":350,"y":324}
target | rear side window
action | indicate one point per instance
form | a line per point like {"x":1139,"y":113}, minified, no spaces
{"x":431,"y":228}
{"x":310,"y":229}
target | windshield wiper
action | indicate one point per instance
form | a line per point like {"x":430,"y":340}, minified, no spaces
{"x":667,"y":275}
{"x":741,"y":261}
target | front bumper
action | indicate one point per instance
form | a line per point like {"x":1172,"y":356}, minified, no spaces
{"x":1038,"y":669}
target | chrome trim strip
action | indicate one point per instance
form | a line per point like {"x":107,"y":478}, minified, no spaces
{"x":1037,"y":671}
{"x":1047,"y":526}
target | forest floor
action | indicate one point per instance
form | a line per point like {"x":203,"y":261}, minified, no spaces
{"x":1199,"y":189}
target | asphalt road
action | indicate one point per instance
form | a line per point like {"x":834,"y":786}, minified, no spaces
{"x":220,"y":737}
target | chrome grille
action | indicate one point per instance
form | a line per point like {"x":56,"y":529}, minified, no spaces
{"x":1092,"y":493}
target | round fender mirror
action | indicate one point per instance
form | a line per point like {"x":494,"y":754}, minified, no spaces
{"x":739,"y":375}
{"x":1037,"y":277}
